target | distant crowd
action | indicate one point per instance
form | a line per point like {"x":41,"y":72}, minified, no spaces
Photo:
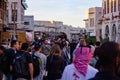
{"x":60,"y":60}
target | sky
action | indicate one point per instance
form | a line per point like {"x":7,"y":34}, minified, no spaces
{"x":70,"y":12}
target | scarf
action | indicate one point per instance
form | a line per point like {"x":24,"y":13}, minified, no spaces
{"x":82,"y":59}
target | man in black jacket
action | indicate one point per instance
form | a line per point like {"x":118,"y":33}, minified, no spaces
{"x":10,"y":53}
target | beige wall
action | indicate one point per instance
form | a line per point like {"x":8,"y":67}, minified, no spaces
{"x":20,"y":12}
{"x":91,"y":24}
{"x":55,"y":26}
{"x":113,"y":19}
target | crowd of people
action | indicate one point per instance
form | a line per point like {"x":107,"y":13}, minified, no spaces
{"x":60,"y":60}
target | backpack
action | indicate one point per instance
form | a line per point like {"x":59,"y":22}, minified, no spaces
{"x":5,"y":61}
{"x":20,"y":66}
{"x":36,"y":64}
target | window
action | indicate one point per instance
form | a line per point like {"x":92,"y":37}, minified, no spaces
{"x":26,"y":23}
{"x":104,"y":7}
{"x":14,"y":11}
{"x":114,"y":32}
{"x":107,"y":6}
{"x":111,"y":5}
{"x":92,"y":22}
{"x":115,"y":5}
{"x":14,"y":15}
{"x":107,"y":31}
{"x":86,"y":24}
{"x":118,"y":5}
{"x":7,"y":13}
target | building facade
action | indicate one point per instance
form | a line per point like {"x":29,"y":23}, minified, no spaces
{"x":47,"y":26}
{"x":54,"y":28}
{"x":50,"y":28}
{"x":111,"y":20}
{"x":3,"y":13}
{"x":16,"y":12}
{"x":15,"y":16}
{"x":77,"y":33}
{"x":92,"y":22}
{"x":14,"y":20}
{"x":29,"y":25}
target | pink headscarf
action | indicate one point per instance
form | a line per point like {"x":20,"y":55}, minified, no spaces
{"x":82,"y":59}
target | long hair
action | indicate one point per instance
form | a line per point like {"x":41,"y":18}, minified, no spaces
{"x":109,"y":51}
{"x":83,"y":42}
{"x":55,"y":50}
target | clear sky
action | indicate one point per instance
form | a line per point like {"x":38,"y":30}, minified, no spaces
{"x":70,"y":12}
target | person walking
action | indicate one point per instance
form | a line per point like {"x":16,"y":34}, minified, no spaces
{"x":109,"y":60}
{"x":55,"y":63}
{"x":80,"y":68}
{"x":73,"y":45}
{"x":43,"y":58}
{"x":10,"y":53}
{"x":22,"y":66}
{"x":46,"y":48}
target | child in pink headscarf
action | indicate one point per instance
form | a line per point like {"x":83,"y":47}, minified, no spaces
{"x":80,"y":68}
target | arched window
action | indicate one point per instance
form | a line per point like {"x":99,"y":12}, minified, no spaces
{"x":119,"y":29}
{"x":118,"y":34}
{"x":114,"y":32}
{"x":107,"y":32}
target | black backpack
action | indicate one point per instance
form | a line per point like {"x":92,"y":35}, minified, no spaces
{"x":5,"y":61}
{"x":36,"y":64}
{"x":20,"y":66}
